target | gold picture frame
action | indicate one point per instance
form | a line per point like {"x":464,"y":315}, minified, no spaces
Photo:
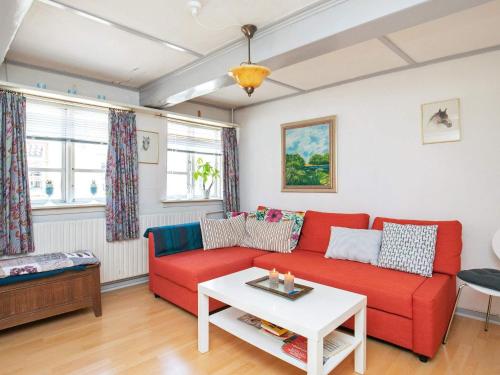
{"x":440,"y":121}
{"x":303,"y":140}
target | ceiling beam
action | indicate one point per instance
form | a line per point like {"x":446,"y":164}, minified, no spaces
{"x":11,"y":16}
{"x":322,"y":28}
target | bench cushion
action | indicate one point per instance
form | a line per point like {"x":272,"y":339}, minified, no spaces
{"x":387,"y":290}
{"x":485,"y":277}
{"x":190,"y":268}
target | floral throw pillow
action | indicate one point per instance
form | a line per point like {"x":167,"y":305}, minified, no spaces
{"x":274,"y":215}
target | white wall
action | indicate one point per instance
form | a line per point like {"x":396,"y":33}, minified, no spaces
{"x":383,"y":169}
{"x":30,"y":76}
{"x":213,"y":113}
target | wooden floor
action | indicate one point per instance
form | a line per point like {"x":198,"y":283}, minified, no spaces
{"x":139,"y":334}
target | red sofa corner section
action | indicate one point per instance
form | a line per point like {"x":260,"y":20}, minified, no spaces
{"x":407,"y":310}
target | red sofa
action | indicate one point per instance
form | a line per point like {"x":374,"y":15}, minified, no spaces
{"x":405,"y":309}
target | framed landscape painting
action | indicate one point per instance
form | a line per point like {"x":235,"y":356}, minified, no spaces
{"x":309,"y":157}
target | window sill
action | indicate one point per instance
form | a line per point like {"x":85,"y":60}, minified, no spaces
{"x":189,"y":201}
{"x":58,"y":208}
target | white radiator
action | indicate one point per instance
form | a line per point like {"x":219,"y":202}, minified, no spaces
{"x":119,"y":260}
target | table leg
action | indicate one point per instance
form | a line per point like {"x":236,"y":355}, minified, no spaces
{"x":314,"y":356}
{"x":203,"y":338}
{"x":360,"y":333}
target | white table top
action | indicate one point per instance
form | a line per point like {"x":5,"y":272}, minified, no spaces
{"x":318,"y":312}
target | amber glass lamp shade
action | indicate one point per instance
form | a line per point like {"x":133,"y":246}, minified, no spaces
{"x":249,"y":76}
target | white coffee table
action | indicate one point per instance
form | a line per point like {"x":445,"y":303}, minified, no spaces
{"x":313,"y":316}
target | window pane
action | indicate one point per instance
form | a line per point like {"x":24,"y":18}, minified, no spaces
{"x":44,"y":154}
{"x":215,"y":191}
{"x":177,"y":161}
{"x":38,"y":186}
{"x":83,"y":186}
{"x":177,"y":186}
{"x":90,"y":156}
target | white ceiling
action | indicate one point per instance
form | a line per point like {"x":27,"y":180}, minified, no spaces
{"x":220,"y":20}
{"x":59,"y":39}
{"x":465,"y":31}
{"x":472,"y":29}
{"x":355,"y":61}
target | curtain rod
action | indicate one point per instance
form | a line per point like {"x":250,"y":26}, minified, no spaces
{"x":92,"y":103}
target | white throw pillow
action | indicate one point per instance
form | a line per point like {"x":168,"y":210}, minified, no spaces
{"x":271,"y":236}
{"x":217,"y":233}
{"x":360,"y":245}
{"x":408,"y":248}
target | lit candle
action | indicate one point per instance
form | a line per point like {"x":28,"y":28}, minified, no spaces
{"x":274,"y":277}
{"x":289,"y":282}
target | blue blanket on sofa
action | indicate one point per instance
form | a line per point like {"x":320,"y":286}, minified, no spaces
{"x":171,"y":239}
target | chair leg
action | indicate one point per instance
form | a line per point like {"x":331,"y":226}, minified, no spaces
{"x":487,"y":315}
{"x":445,"y":340}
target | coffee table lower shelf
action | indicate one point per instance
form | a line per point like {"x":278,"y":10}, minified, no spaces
{"x":228,"y":320}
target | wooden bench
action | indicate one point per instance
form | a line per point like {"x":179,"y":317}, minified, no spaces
{"x":31,"y":300}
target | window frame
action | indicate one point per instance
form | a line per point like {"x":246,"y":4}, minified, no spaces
{"x":191,"y":162}
{"x":67,"y":170}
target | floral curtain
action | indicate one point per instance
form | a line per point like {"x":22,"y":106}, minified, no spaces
{"x":231,"y":170}
{"x":122,"y":183}
{"x":16,"y":229}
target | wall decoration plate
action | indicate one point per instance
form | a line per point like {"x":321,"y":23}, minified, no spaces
{"x":309,"y":159}
{"x":148,"y":147}
{"x":441,"y":122}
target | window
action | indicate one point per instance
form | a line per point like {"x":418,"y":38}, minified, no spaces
{"x":185,"y":146}
{"x":67,"y":151}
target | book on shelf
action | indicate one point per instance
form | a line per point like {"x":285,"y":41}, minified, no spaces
{"x":297,"y":347}
{"x":267,"y":328}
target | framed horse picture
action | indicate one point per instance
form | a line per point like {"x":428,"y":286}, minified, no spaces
{"x":309,"y":160}
{"x":441,"y":121}
{"x":147,"y":147}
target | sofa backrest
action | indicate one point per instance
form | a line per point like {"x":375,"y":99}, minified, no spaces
{"x":448,"y":242}
{"x":315,"y":234}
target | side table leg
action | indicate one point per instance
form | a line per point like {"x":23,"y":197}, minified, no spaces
{"x":203,"y":338}
{"x":314,"y":356}
{"x":360,"y":333}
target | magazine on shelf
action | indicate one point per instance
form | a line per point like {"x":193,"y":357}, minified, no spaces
{"x":266,"y":328}
{"x":297,"y":347}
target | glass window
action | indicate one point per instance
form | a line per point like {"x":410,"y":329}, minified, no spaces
{"x":67,"y":151}
{"x":188,"y":147}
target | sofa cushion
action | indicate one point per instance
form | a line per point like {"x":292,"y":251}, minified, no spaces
{"x":316,"y":229}
{"x":193,"y":267}
{"x":387,"y":290}
{"x":448,"y":242}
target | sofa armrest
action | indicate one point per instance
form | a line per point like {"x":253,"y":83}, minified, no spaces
{"x":172,"y":239}
{"x":432,"y":308}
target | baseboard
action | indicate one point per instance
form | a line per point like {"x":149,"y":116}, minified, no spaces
{"x":477,"y":315}
{"x":124,"y":283}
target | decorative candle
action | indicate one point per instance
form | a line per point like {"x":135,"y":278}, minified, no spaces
{"x":289,"y":282}
{"x":274,"y":277}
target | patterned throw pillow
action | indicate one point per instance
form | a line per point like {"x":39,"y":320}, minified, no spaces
{"x":408,"y":248}
{"x":218,"y":233}
{"x":264,"y":235}
{"x":273,"y":215}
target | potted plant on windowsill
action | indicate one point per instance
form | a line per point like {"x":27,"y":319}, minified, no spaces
{"x":206,"y":171}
